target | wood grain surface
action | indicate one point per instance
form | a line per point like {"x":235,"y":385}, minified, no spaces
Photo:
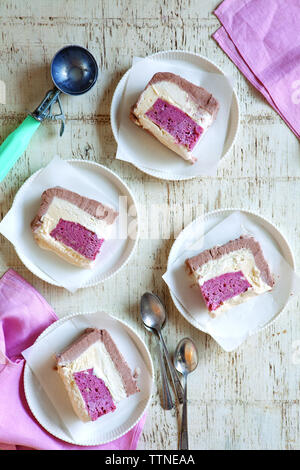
{"x":248,"y":399}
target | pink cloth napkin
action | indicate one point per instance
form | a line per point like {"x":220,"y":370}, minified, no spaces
{"x":24,"y":314}
{"x":262,"y":38}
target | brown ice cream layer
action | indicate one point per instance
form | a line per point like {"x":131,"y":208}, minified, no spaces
{"x":248,"y":243}
{"x":92,"y":207}
{"x":199,"y":95}
{"x":89,"y":337}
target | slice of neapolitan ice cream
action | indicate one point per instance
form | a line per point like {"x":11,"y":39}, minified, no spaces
{"x":95,"y":374}
{"x":72,"y":226}
{"x":176,"y":112}
{"x":231,"y":274}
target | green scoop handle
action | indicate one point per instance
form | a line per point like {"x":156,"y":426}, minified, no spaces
{"x":15,"y":144}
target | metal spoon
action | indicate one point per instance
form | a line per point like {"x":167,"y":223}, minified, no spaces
{"x":185,"y":361}
{"x":154,"y":316}
{"x":167,"y":401}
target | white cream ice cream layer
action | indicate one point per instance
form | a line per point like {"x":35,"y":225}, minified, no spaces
{"x":97,"y":358}
{"x":239,"y":260}
{"x":63,"y":209}
{"x":176,"y":96}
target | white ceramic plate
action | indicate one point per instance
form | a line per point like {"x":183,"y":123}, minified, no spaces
{"x":114,"y":424}
{"x":191,"y":61}
{"x":112,"y":186}
{"x":210,"y":220}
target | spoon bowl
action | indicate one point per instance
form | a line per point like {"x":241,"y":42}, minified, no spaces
{"x":186,"y":356}
{"x":152,"y":311}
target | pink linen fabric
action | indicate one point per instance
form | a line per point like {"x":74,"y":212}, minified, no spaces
{"x":262,"y":38}
{"x":24,"y":314}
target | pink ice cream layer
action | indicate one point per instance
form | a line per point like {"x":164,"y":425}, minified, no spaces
{"x":97,"y":397}
{"x":79,"y":238}
{"x":217,"y":290}
{"x":170,"y":118}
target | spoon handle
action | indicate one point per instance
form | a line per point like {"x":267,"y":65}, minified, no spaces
{"x":184,"y":441}
{"x":167,"y":402}
{"x":175,"y":379}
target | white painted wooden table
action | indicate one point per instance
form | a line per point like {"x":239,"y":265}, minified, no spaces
{"x":248,"y":399}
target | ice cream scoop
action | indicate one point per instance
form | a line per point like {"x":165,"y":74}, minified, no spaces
{"x":74,"y":71}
